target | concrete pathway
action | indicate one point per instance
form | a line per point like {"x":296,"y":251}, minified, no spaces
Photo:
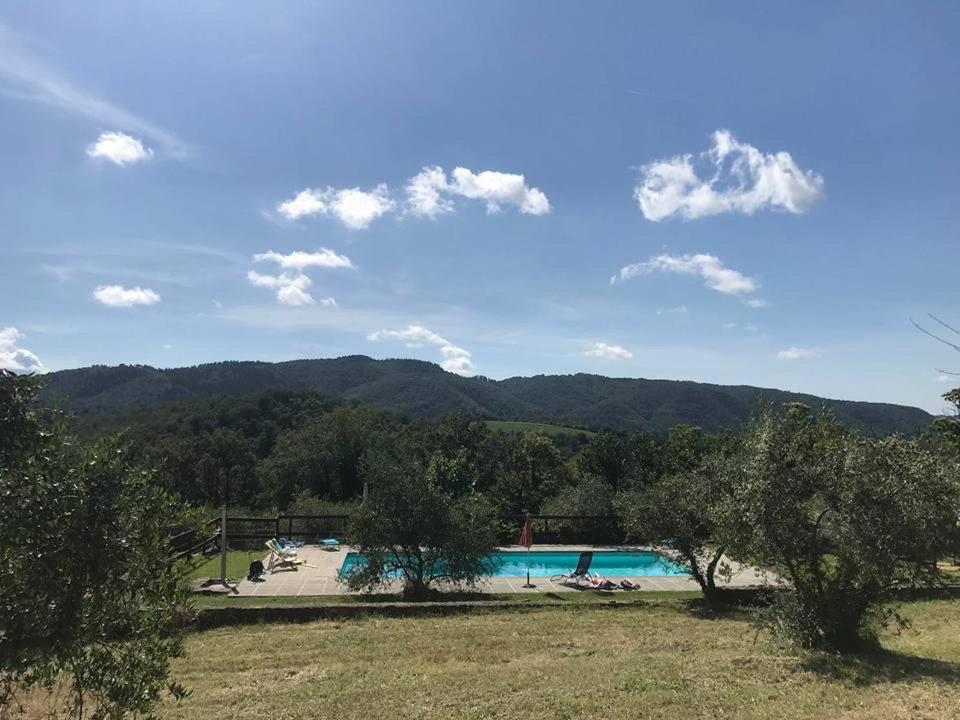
{"x":319,"y":576}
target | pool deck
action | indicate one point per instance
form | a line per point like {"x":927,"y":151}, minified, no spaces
{"x":318,"y":576}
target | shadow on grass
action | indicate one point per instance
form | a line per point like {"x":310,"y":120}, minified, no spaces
{"x":882,"y":666}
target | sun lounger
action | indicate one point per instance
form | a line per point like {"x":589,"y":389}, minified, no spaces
{"x":579,"y":576}
{"x":330,"y":544}
{"x":280,"y":560}
{"x":277,"y":546}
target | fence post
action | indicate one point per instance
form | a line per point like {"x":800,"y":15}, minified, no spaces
{"x":276,"y":528}
{"x":223,"y":544}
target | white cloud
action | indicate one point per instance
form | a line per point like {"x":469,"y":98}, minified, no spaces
{"x":167,"y":346}
{"x":357,"y":209}
{"x":678,"y":310}
{"x":729,"y":325}
{"x":608,"y":352}
{"x":298,"y":259}
{"x":797,"y":353}
{"x":305,"y":202}
{"x":455,"y":359}
{"x":425,"y":193}
{"x":292,"y":286}
{"x":352,"y":206}
{"x":947,"y":378}
{"x":119,"y":296}
{"x":119,"y":148}
{"x":715,"y":274}
{"x":736,"y":178}
{"x":15,"y":358}
{"x":24,"y":77}
{"x":429,"y":192}
{"x":498,"y":188}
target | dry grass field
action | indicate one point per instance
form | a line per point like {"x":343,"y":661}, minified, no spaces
{"x":650,"y":661}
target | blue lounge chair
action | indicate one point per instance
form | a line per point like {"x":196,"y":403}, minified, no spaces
{"x":578,"y":577}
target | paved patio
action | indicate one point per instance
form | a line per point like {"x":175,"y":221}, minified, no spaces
{"x":319,"y":576}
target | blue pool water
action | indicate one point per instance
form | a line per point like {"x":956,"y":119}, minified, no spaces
{"x":544,"y":563}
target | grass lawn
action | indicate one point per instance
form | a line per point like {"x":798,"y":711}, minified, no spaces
{"x":545,"y":428}
{"x":645,"y":661}
{"x":238,"y":563}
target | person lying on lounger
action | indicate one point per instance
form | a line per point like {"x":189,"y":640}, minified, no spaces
{"x":599,"y":582}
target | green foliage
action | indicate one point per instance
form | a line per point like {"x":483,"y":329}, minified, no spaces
{"x":416,"y":527}
{"x":590,"y":496}
{"x":533,"y":471}
{"x":608,"y":457}
{"x":848,"y":520}
{"x":523,"y":427}
{"x":89,"y":599}
{"x":680,"y":511}
{"x":422,"y":389}
{"x":306,"y":504}
{"x":322,"y":455}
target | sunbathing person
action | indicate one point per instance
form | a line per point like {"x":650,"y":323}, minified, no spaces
{"x":599,"y":582}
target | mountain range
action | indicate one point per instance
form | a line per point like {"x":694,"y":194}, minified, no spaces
{"x":419,"y":388}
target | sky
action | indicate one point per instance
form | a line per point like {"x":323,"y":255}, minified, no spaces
{"x":747,"y":194}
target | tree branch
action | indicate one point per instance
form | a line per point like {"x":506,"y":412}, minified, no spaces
{"x":922,"y":329}
{"x":941,"y":322}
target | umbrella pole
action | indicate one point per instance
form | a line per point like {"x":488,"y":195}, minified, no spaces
{"x":529,"y":584}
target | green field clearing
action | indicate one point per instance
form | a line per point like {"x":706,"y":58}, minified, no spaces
{"x":544,"y":428}
{"x":238,"y":563}
{"x":657,"y":660}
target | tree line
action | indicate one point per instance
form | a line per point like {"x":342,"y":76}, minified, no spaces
{"x":91,"y":599}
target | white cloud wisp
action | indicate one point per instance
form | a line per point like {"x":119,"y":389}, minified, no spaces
{"x":291,"y":284}
{"x":729,"y":177}
{"x":608,"y":352}
{"x":455,"y":359}
{"x":24,"y":77}
{"x":715,"y":274}
{"x":15,"y":358}
{"x":797,"y":353}
{"x":119,"y":296}
{"x":298,"y":259}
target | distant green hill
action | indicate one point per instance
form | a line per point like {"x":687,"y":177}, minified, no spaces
{"x":423,"y":389}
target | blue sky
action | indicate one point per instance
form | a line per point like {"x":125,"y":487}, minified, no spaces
{"x":740,"y":195}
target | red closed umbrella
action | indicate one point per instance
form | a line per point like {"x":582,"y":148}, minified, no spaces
{"x":526,"y":539}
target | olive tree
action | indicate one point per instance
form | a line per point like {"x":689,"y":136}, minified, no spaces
{"x":680,"y":511}
{"x":90,"y":601}
{"x":422,"y":525}
{"x":847,"y":520}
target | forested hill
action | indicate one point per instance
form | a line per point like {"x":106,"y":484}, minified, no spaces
{"x":423,"y":389}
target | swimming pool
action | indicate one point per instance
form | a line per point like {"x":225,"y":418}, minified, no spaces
{"x":544,"y":563}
